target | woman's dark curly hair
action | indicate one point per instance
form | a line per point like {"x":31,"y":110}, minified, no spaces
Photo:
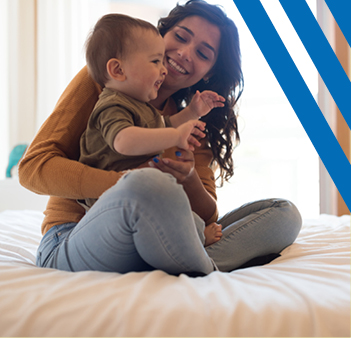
{"x":226,"y":80}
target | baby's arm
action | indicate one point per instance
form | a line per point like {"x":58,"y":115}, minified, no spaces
{"x":134,"y":141}
{"x":200,"y":105}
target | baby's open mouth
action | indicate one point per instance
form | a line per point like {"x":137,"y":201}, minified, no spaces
{"x":158,"y":84}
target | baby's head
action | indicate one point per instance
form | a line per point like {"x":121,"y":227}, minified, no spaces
{"x":125,"y":50}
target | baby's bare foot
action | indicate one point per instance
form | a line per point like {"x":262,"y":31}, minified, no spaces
{"x":213,"y":233}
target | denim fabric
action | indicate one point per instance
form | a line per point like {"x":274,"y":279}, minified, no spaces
{"x":145,"y":222}
{"x":255,"y":229}
{"x":142,"y":223}
{"x":51,"y":240}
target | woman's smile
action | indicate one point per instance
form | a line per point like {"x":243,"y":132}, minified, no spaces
{"x":176,"y":66}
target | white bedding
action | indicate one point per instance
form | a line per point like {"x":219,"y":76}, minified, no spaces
{"x":303,"y":293}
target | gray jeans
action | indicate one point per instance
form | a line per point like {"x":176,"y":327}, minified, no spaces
{"x":145,"y":222}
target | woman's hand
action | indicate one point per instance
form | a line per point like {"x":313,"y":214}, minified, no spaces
{"x":181,"y":169}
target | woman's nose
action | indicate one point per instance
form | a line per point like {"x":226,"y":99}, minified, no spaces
{"x":185,"y":53}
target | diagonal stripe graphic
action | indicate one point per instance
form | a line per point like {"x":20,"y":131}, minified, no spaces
{"x":298,"y":95}
{"x":316,"y":44}
{"x":341,"y":10}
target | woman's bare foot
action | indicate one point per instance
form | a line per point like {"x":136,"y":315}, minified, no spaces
{"x":213,"y":233}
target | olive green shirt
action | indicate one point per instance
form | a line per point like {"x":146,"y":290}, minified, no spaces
{"x":112,"y":113}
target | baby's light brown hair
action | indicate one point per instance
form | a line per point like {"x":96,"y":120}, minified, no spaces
{"x":109,"y":39}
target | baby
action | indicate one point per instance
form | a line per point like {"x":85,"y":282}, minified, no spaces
{"x":125,"y":56}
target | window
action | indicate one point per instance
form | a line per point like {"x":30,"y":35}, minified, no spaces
{"x":275,"y":157}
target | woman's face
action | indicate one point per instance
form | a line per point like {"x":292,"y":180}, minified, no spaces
{"x":191,"y":52}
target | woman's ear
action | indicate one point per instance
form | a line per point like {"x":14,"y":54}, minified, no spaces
{"x":207,"y":77}
{"x":114,"y":70}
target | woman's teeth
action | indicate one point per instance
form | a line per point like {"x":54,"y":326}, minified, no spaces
{"x":175,"y":66}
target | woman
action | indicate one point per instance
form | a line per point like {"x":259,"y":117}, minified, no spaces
{"x":153,"y":218}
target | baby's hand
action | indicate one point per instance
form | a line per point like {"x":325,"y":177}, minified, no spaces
{"x":202,"y":103}
{"x":213,"y":233}
{"x":187,"y":130}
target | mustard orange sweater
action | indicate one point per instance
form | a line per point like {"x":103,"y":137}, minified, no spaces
{"x":50,"y":165}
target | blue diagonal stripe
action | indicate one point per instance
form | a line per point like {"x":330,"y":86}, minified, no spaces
{"x":321,"y":53}
{"x":341,"y":10}
{"x":298,"y":95}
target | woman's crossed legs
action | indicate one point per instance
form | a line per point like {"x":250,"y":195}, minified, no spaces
{"x":145,"y":222}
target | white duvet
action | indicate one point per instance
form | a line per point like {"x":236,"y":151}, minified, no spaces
{"x":303,"y":293}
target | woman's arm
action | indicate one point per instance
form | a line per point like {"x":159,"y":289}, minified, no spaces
{"x":202,"y":202}
{"x":193,"y":172}
{"x":50,"y":165}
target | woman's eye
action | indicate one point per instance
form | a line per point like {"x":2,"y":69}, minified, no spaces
{"x":179,"y":37}
{"x":156,"y":61}
{"x":202,"y":55}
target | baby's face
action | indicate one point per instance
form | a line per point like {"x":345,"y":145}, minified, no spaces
{"x":144,"y":67}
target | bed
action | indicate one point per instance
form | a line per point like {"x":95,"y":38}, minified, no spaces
{"x":303,"y":293}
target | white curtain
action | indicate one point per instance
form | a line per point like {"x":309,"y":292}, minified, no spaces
{"x":4,"y":90}
{"x":62,"y":27}
{"x":17,"y":81}
{"x":42,"y":44}
{"x":42,"y":48}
